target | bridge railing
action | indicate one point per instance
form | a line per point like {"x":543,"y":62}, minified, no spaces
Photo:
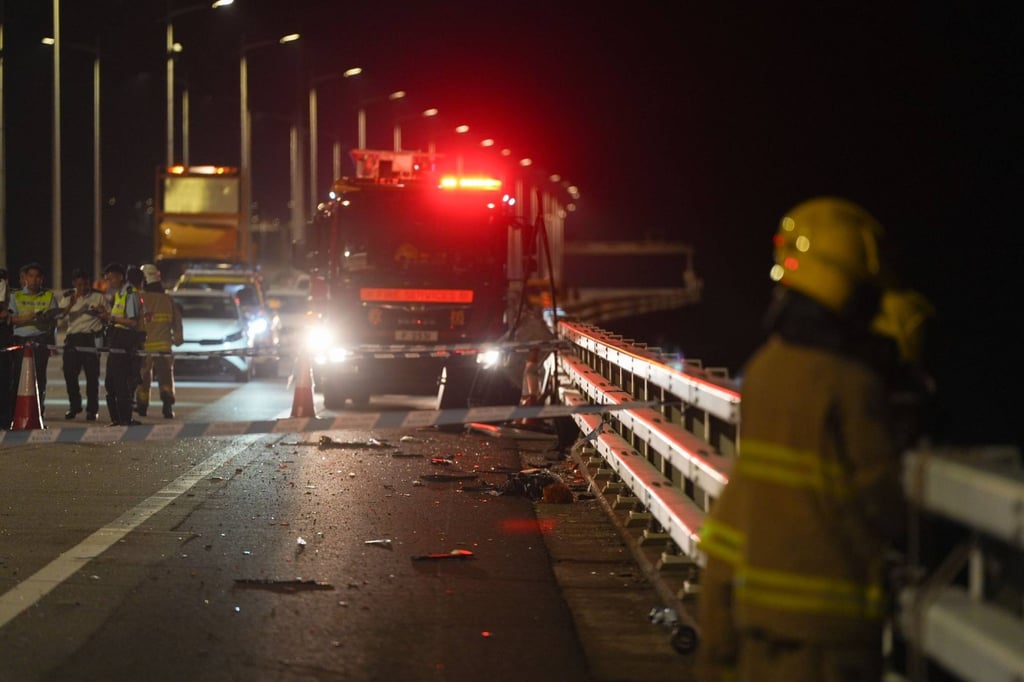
{"x":667,"y":464}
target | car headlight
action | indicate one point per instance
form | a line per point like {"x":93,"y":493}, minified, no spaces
{"x":258,"y":325}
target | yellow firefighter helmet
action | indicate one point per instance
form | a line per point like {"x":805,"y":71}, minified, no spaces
{"x":827,"y":248}
{"x":901,"y":317}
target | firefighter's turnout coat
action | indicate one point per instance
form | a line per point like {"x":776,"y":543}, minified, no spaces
{"x":796,"y":542}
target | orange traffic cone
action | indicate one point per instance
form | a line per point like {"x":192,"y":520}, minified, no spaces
{"x":302,"y":402}
{"x":26,"y":407}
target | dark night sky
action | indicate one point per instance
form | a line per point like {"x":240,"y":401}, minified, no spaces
{"x":699,"y":122}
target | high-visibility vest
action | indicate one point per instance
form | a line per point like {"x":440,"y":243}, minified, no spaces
{"x":33,"y":303}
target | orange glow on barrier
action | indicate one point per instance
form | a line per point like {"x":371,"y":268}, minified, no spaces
{"x":452,"y":182}
{"x":417,"y":295}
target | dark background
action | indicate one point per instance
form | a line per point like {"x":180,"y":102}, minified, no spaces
{"x":696,"y":122}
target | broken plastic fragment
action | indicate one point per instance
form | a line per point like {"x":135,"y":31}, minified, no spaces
{"x":301,"y":542}
{"x":454,"y":554}
{"x":383,"y":542}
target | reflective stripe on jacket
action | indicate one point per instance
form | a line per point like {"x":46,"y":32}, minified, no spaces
{"x":27,"y":303}
{"x":803,"y":524}
{"x":162,"y":322}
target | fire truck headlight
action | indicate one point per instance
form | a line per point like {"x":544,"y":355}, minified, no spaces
{"x":319,"y":339}
{"x":335,"y":355}
{"x":488,"y":358}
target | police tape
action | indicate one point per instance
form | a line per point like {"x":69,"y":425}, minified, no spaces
{"x":375,"y":352}
{"x":365,"y":421}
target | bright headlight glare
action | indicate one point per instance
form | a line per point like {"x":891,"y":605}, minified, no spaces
{"x":259,"y":326}
{"x":338,"y":355}
{"x":319,"y":339}
{"x":488,"y":358}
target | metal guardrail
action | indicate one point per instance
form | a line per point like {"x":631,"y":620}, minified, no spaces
{"x":673,"y":461}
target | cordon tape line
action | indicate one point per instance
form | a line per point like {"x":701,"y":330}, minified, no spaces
{"x":355,"y":420}
{"x":388,"y":352}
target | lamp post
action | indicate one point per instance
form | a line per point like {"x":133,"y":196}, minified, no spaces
{"x":313,"y":130}
{"x":361,"y":117}
{"x":97,"y":195}
{"x":3,"y":157}
{"x":172,"y":49}
{"x":246,"y":149}
{"x":56,"y":189}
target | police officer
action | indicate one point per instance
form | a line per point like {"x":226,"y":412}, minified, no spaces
{"x":163,"y":329}
{"x":6,"y":335}
{"x":795,"y":545}
{"x":83,"y":335}
{"x":122,"y":320}
{"x":33,"y":314}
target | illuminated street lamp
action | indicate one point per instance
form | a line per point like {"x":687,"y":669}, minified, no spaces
{"x":246,"y":136}
{"x":313,"y":133}
{"x":97,"y":218}
{"x":172,"y":49}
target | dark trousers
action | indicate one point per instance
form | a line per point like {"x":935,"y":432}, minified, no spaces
{"x":77,"y":361}
{"x":120,"y":383}
{"x":41,"y":355}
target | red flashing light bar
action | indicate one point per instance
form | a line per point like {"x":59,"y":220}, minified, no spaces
{"x":452,"y":182}
{"x":416,"y":295}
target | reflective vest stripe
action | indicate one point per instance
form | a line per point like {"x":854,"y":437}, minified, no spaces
{"x":722,"y":541}
{"x":33,"y":303}
{"x":785,"y":591}
{"x":789,"y":467}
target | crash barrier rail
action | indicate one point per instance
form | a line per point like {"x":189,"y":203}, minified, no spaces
{"x":671,"y":461}
{"x":968,"y":613}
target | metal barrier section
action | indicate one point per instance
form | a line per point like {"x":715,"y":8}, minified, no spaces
{"x":674,"y":459}
{"x":975,"y":629}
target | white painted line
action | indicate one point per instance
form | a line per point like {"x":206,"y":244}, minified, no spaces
{"x":29,"y":591}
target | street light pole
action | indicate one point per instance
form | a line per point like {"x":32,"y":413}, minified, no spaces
{"x":56,"y":188}
{"x":314,"y":130}
{"x":244,"y":124}
{"x":171,"y":49}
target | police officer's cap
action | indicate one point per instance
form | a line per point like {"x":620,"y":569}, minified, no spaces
{"x":115,"y":267}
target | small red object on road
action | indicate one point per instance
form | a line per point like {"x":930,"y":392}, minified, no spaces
{"x":454,"y":554}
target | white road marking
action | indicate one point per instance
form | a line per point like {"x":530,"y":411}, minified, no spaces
{"x":26,"y":593}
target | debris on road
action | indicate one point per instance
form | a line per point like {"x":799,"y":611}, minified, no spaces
{"x":454,"y":554}
{"x":288,"y":586}
{"x":531,"y":483}
{"x":383,"y":542}
{"x":447,"y":477}
{"x":328,"y":443}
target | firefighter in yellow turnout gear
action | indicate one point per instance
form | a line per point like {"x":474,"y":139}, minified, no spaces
{"x":162,"y":325}
{"x":793,"y":586}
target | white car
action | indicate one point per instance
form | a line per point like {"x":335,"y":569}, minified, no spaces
{"x":213,"y":323}
{"x":295,"y":310}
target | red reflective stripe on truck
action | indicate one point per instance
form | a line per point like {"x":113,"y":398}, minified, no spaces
{"x":417,"y":295}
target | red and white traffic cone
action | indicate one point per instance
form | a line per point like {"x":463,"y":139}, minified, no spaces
{"x":302,"y":402}
{"x":27,"y":415}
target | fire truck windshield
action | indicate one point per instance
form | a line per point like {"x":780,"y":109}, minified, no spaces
{"x":421,"y":231}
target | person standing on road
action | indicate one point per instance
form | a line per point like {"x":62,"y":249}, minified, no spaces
{"x":6,"y":336}
{"x":122,"y":320}
{"x":83,"y":336}
{"x":796,"y":544}
{"x":163,"y":329}
{"x":33,"y":314}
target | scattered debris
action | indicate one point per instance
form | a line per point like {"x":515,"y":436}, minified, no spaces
{"x":383,"y":542}
{"x":328,"y":443}
{"x":408,"y":439}
{"x":664,"y":616}
{"x":301,"y":542}
{"x":447,"y":477}
{"x":531,"y":483}
{"x":454,"y":554}
{"x":288,"y":586}
{"x":556,"y":493}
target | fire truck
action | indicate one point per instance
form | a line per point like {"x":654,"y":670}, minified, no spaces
{"x":415,"y":273}
{"x":198,"y":218}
